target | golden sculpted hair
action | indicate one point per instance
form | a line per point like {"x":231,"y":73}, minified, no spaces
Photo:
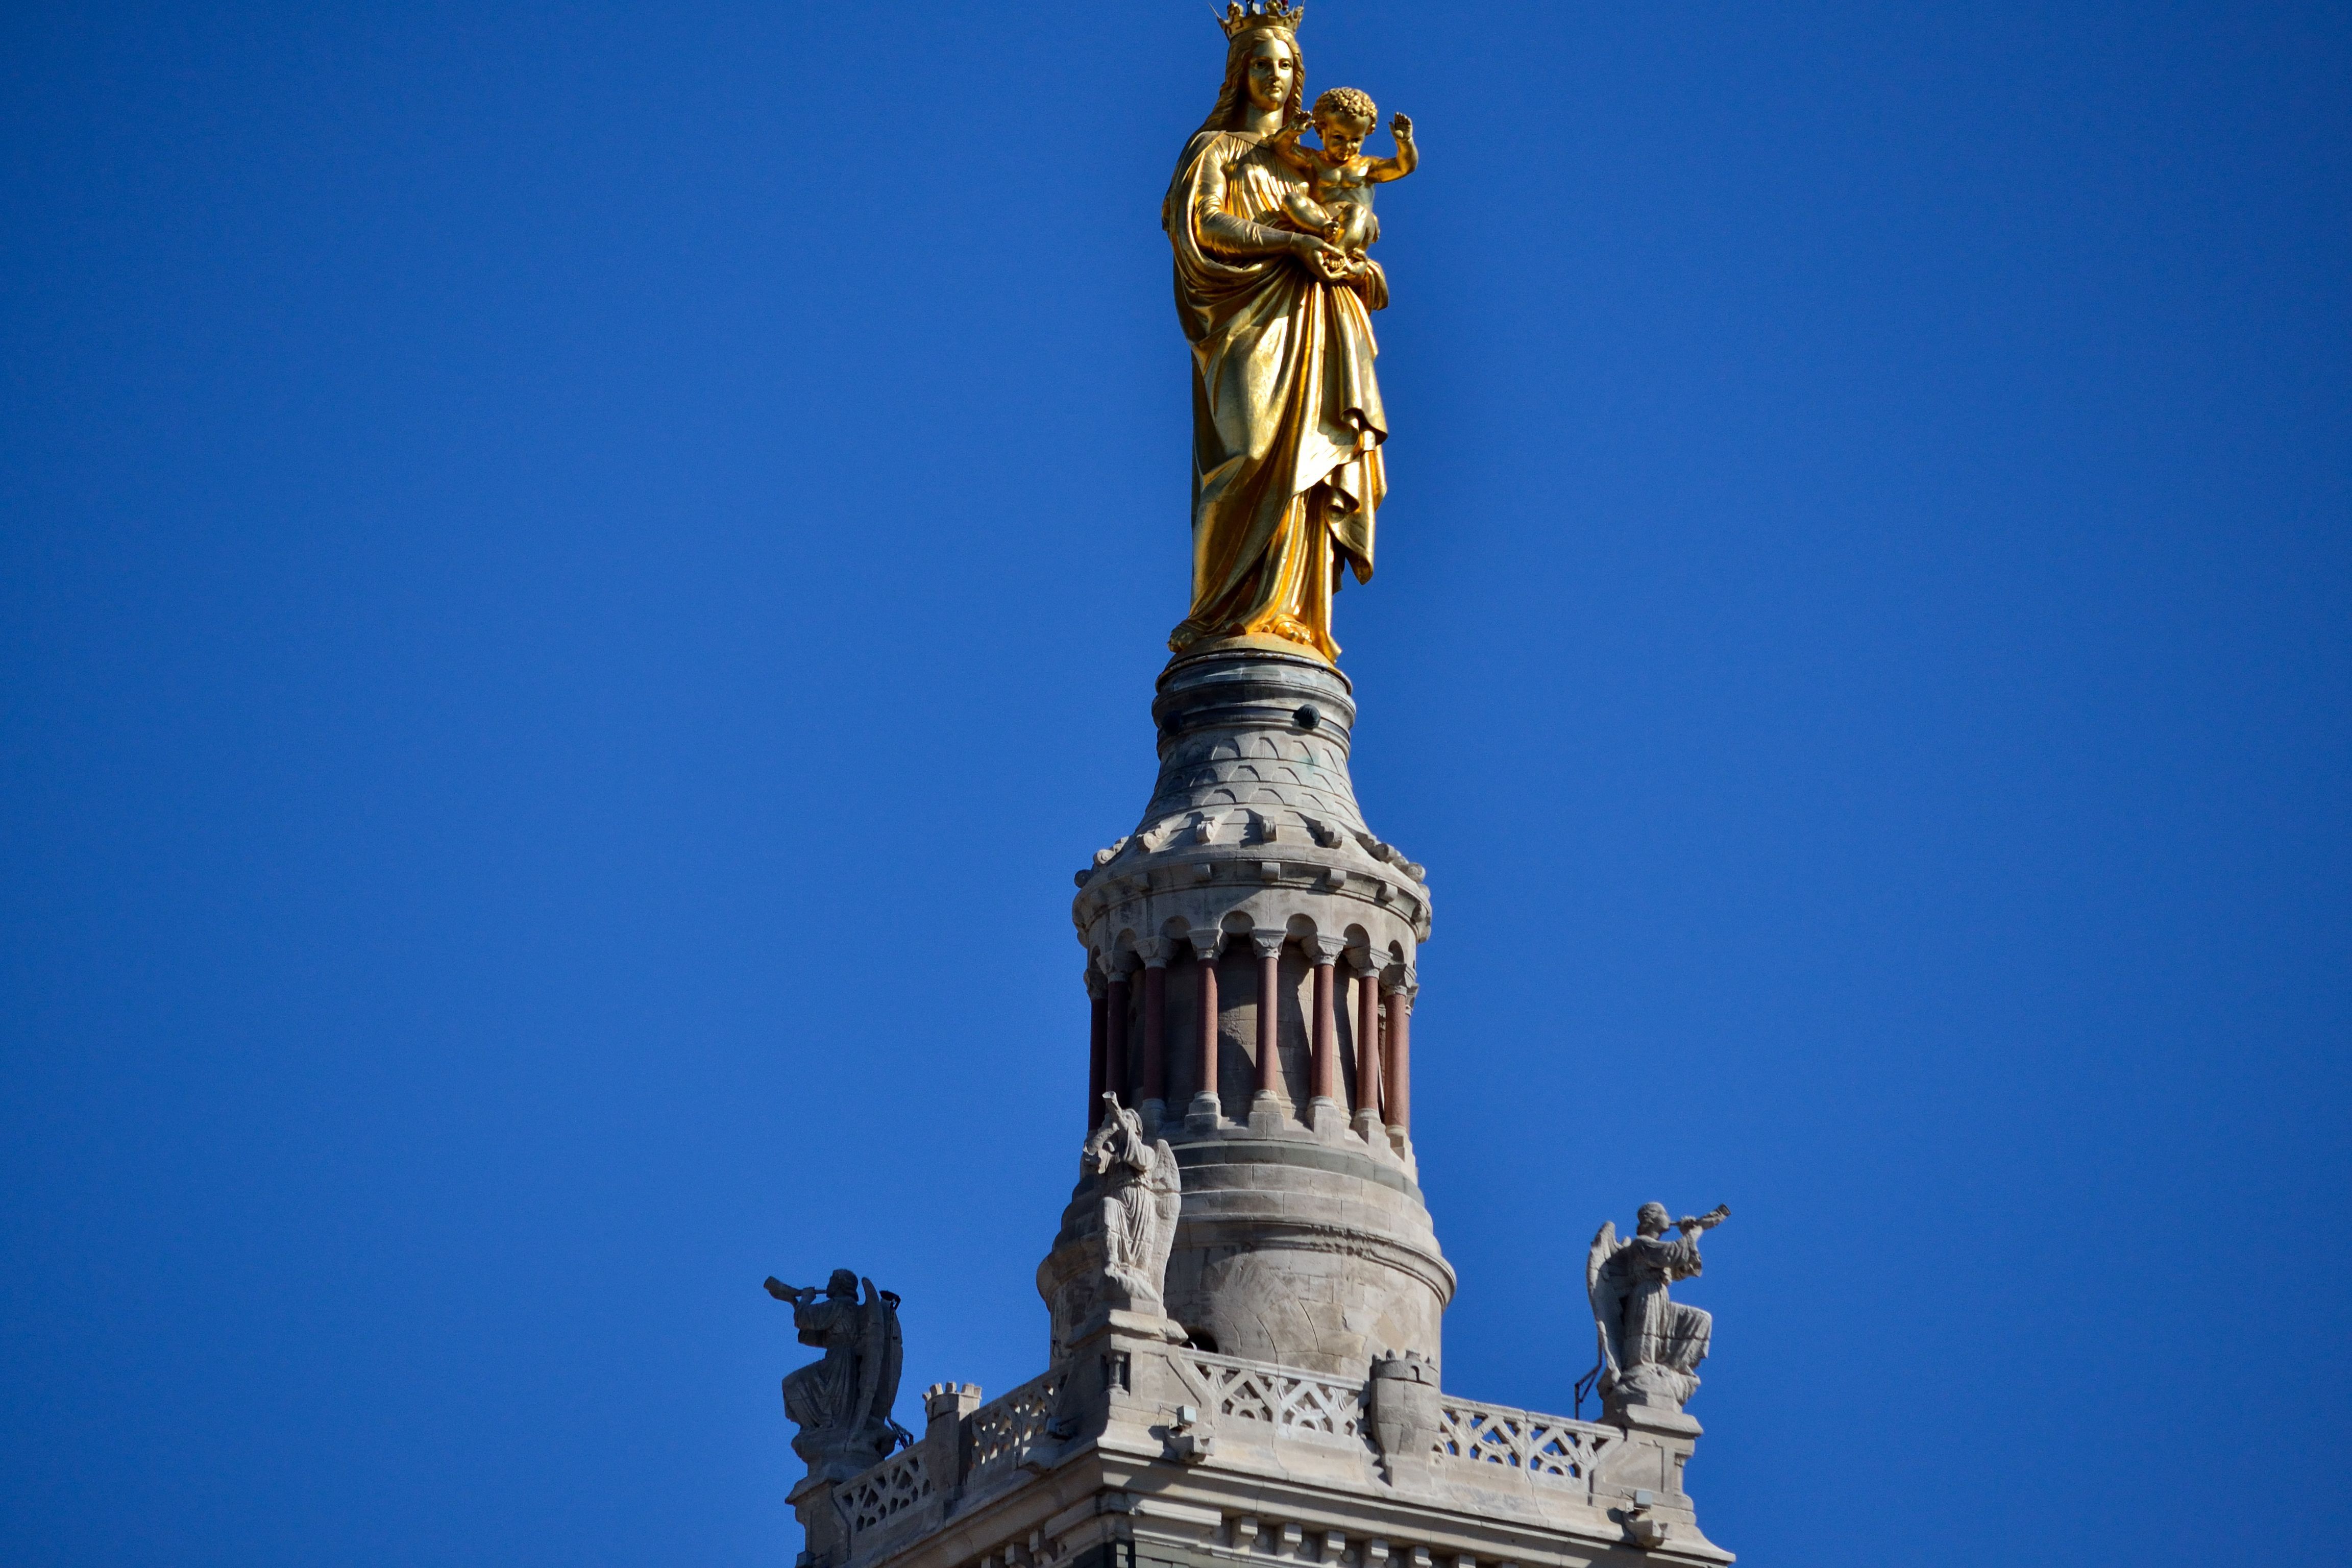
{"x":1351,"y":102}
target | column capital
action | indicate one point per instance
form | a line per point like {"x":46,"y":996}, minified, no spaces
{"x":1096,"y":986}
{"x":1268,"y":940}
{"x":1155,"y":951}
{"x":1326,"y":949}
{"x":1399,"y":977}
{"x":1205,"y":940}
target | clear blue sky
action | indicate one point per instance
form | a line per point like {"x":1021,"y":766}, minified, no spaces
{"x":578,"y":578}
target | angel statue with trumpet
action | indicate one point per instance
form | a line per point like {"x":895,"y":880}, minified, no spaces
{"x":1649,"y":1345}
{"x":842,"y":1402}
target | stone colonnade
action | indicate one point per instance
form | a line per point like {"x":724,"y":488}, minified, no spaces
{"x":1206,"y":1043}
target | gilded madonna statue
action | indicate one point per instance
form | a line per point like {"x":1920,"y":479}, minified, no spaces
{"x":1286,"y":417}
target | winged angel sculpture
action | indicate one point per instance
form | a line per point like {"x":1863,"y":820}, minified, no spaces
{"x":1649,"y":1345}
{"x":1142,"y":1194}
{"x":842,"y":1401}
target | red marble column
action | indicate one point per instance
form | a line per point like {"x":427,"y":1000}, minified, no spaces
{"x":1367,"y":1041}
{"x":1400,"y":1053}
{"x":1269,"y":1015}
{"x":1115,"y":1041}
{"x":1098,"y":994}
{"x":1327,"y":1029}
{"x":1155,"y":1029}
{"x":1206,"y":969}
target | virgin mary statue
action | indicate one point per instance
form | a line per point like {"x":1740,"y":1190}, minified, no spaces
{"x":1287,"y":419}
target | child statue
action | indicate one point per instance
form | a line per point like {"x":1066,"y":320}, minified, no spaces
{"x":1338,"y":202}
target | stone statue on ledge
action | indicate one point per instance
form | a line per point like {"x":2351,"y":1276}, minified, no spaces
{"x":1650,"y":1346}
{"x":842,"y":1402}
{"x":1141,"y":1196}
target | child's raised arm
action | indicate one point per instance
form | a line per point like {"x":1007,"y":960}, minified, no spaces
{"x":1407,"y":157}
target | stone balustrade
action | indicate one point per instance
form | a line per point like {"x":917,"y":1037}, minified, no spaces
{"x":1545,"y":1447}
{"x":1282,"y":1402}
{"x":1254,"y":1412}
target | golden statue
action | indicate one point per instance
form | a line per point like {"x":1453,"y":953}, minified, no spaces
{"x":1274,"y":291}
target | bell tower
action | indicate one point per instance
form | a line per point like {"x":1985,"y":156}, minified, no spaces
{"x":1250,"y":954}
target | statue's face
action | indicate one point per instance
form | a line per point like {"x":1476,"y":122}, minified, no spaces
{"x":1273,"y":69}
{"x":1651,"y":1220}
{"x":1342,"y":136}
{"x":843,"y":1283}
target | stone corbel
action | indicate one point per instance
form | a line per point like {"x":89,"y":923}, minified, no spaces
{"x":1190,"y":1442}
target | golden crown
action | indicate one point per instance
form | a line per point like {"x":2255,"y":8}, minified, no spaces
{"x":1280,"y":16}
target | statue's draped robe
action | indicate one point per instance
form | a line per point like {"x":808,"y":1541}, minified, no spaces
{"x":1659,"y":1331}
{"x":1143,"y":1196}
{"x":1286,"y":417}
{"x":821,"y":1393}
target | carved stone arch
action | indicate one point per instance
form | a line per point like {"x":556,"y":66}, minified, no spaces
{"x":1265,"y":748}
{"x":1301,"y":752}
{"x":1237,"y":923}
{"x":1223,"y":750}
{"x":1223,"y":797}
{"x":1302,"y":926}
{"x":1176,"y":927}
{"x":1244,"y":773}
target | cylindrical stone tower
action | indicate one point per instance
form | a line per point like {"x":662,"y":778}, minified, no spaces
{"x":1250,"y":951}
